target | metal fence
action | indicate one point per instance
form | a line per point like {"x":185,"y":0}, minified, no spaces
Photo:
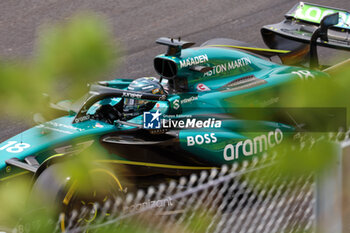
{"x":251,"y":197}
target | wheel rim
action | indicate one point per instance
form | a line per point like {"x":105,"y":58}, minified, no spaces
{"x":71,"y":199}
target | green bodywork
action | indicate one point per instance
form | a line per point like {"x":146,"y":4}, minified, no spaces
{"x":236,"y":79}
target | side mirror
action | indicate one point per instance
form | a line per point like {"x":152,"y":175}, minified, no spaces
{"x":321,"y":32}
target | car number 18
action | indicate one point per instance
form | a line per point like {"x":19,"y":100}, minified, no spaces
{"x":15,"y":147}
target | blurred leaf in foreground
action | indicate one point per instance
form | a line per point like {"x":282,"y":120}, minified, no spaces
{"x":67,"y":57}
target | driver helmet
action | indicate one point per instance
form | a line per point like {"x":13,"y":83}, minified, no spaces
{"x":149,"y":85}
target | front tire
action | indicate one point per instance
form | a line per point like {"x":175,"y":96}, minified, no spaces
{"x":63,"y":191}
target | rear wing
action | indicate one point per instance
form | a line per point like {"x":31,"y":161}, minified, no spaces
{"x":295,"y":32}
{"x":313,"y":13}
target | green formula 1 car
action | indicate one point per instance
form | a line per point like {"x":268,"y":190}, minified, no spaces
{"x":186,"y":120}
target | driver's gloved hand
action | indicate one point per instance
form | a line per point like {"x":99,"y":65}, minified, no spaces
{"x":107,"y":113}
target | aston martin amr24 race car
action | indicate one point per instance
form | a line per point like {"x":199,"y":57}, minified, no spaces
{"x":186,"y":120}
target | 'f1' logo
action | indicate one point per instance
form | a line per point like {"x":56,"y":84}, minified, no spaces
{"x":151,"y":120}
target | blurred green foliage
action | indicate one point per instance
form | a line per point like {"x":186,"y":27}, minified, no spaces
{"x":66,"y":57}
{"x":13,"y":196}
{"x":323,"y":92}
{"x":310,"y":151}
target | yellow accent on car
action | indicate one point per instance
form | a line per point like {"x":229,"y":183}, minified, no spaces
{"x":112,"y":175}
{"x":254,"y":49}
{"x":63,"y":227}
{"x":95,"y":213}
{"x":155,"y":165}
{"x":53,"y":156}
{"x":70,"y":193}
{"x":15,"y":175}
